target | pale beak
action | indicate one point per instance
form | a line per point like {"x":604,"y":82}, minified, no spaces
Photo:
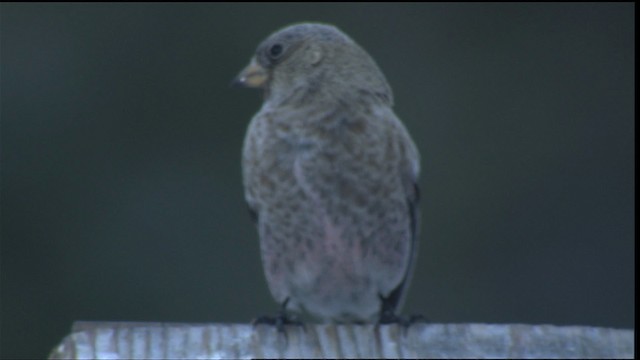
{"x":253,"y":76}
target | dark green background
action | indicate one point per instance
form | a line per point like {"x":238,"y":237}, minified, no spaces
{"x":121,"y":190}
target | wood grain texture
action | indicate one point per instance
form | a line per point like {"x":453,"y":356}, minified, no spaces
{"x":120,"y":340}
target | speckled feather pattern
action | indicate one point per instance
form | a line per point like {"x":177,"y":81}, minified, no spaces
{"x":331,"y":174}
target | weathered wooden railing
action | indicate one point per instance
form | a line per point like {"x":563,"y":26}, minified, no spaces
{"x":128,"y":340}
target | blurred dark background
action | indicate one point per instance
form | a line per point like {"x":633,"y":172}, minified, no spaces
{"x":121,"y":191}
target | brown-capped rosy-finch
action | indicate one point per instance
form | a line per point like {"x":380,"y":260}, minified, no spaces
{"x":330,"y":173}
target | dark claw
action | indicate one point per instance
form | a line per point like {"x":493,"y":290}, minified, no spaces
{"x":403,"y":321}
{"x":388,"y":312}
{"x":388,"y":317}
{"x":279,"y":321}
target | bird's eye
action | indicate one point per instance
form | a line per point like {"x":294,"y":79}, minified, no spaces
{"x":275,"y":51}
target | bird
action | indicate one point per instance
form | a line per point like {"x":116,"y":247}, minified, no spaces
{"x":330,"y":176}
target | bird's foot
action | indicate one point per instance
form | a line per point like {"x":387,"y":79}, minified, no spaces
{"x":279,"y":321}
{"x":405,"y":322}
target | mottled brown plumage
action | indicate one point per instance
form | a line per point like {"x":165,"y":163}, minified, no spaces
{"x":331,"y":174}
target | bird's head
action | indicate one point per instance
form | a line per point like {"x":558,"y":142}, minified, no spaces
{"x":312,"y":59}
